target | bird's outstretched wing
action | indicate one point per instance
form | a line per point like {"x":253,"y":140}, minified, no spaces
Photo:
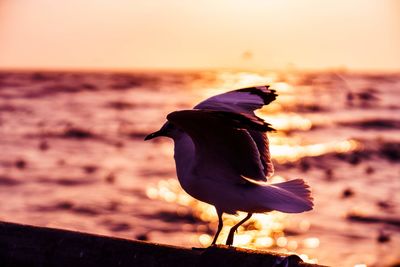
{"x":223,"y":143}
{"x":246,"y":101}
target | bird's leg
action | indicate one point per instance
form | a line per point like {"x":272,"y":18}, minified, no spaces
{"x":220,"y":224}
{"x":229,"y":240}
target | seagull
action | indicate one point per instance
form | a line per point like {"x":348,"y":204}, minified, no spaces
{"x":222,"y":157}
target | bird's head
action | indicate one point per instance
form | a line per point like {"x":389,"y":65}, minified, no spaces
{"x":168,"y":130}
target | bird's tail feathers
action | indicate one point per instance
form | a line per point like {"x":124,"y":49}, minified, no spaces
{"x":292,"y":196}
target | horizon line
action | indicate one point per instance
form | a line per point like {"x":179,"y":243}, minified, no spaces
{"x":340,"y":69}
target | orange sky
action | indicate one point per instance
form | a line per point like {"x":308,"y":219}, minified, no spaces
{"x":161,"y":34}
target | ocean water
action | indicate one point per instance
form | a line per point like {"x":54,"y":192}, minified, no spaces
{"x":73,"y":156}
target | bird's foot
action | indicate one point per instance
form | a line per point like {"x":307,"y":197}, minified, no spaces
{"x":229,"y":241}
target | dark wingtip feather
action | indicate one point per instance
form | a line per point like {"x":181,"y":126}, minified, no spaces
{"x":269,"y":128}
{"x":268,"y":95}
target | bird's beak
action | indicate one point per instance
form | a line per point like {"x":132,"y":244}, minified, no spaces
{"x":153,"y":135}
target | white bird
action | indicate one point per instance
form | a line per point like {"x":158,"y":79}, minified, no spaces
{"x":222,"y":157}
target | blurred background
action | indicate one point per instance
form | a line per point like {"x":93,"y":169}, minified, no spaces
{"x":82,"y":83}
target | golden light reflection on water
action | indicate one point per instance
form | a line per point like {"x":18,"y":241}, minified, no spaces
{"x":281,"y":87}
{"x":284,"y":153}
{"x":311,"y":242}
{"x":288,"y":149}
{"x":286,"y":122}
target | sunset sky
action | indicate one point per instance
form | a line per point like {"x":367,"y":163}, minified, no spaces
{"x":177,"y":34}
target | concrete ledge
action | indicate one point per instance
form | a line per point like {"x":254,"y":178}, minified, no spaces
{"x":25,"y":245}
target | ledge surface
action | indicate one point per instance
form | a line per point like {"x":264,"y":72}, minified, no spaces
{"x":26,"y":245}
